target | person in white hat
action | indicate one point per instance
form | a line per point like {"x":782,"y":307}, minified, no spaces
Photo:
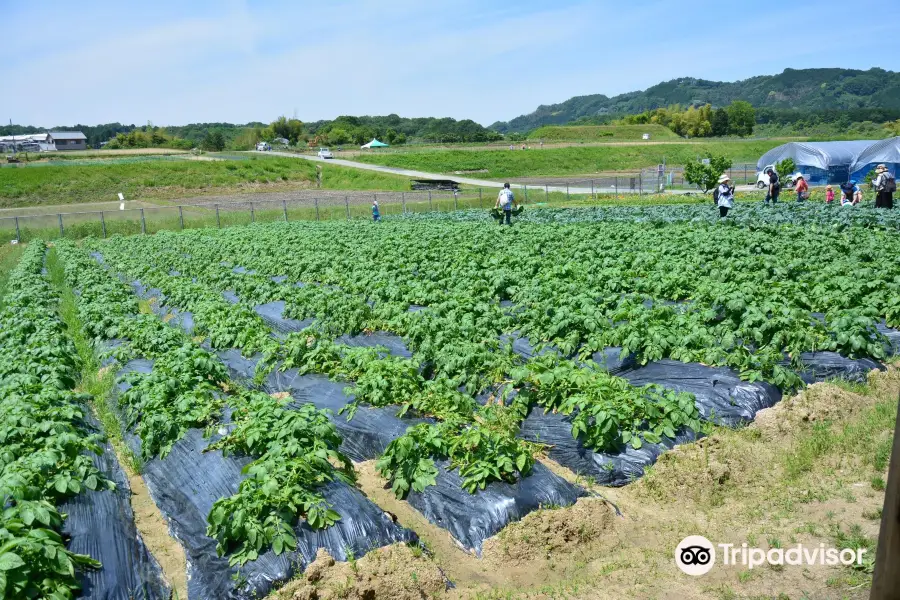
{"x":885,"y":185}
{"x":801,"y":187}
{"x":724,"y":195}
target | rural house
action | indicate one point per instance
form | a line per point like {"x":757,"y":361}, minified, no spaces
{"x":68,"y":140}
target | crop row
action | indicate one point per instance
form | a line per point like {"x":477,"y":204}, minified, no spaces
{"x":481,"y":441}
{"x":45,"y":441}
{"x":740,"y":297}
{"x":293,"y":450}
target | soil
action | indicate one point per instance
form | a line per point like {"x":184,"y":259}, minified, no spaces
{"x":730,"y":487}
{"x":155,"y":533}
{"x":397,"y":572}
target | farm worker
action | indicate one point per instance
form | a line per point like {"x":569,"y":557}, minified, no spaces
{"x":376,"y":215}
{"x":829,"y":194}
{"x":850,"y":192}
{"x":802,"y":187}
{"x":725,"y":195}
{"x":885,"y":186}
{"x":506,"y":200}
{"x":774,"y":187}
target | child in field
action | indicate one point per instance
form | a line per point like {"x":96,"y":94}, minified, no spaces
{"x":829,"y":194}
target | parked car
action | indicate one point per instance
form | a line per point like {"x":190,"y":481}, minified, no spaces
{"x":325,"y":153}
{"x":762,"y":179}
{"x":263,"y":147}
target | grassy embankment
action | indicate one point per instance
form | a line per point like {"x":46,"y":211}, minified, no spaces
{"x":600,"y":133}
{"x":574,"y":161}
{"x":167,"y":179}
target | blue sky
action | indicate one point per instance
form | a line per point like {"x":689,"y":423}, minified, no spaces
{"x":176,"y":62}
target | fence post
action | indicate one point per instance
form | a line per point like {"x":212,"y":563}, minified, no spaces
{"x":181,"y":217}
{"x":526,"y":193}
{"x":567,"y":191}
{"x":479,"y":197}
{"x":429,"y":200}
{"x":316,"y":200}
{"x":61,"y":232}
{"x":18,"y":236}
{"x":592,"y":189}
{"x":617,"y":187}
{"x":745,"y":173}
{"x":103,"y":223}
{"x":252,"y":214}
{"x":218,"y":222}
{"x":403,"y":201}
{"x":347,"y":203}
{"x":641,"y":183}
{"x":284,"y":209}
{"x":143,"y":222}
{"x":546,"y":193}
{"x":455,"y":201}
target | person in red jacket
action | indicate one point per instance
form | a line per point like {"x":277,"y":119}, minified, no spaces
{"x":801,"y":187}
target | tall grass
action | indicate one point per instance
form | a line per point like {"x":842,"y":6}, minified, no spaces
{"x":550,"y":162}
{"x":600,"y":133}
{"x":164,"y":179}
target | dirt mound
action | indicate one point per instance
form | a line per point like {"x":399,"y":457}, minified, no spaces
{"x":544,"y":534}
{"x":818,"y":403}
{"x":395,"y":572}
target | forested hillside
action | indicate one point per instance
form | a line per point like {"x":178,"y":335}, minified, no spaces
{"x":801,"y":90}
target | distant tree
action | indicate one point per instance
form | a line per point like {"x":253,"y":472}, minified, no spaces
{"x":706,"y":177}
{"x":213,"y":142}
{"x":290,"y":129}
{"x":719,"y":122}
{"x":785,"y":167}
{"x":338,"y":137}
{"x":741,"y":118}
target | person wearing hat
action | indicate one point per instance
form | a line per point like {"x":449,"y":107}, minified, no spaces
{"x":850,"y":193}
{"x":885,"y":186}
{"x":801,"y":187}
{"x":724,"y":195}
{"x":376,"y":214}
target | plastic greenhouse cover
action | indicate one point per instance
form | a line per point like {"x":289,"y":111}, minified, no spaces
{"x":186,"y":484}
{"x":885,"y":151}
{"x":820,"y":155}
{"x":101,"y":524}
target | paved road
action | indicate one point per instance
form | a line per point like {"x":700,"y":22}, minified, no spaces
{"x":485,"y":183}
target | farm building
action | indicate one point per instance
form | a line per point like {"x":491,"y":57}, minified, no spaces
{"x":821,"y":162}
{"x":68,"y":140}
{"x":886,"y":152}
{"x":44,"y":142}
{"x":30,"y":142}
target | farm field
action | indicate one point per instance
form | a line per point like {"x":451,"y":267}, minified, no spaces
{"x":278,"y":386}
{"x":566,"y":161}
{"x":601,"y":133}
{"x":160,"y":178}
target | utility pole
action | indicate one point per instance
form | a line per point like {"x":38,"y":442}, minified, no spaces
{"x":886,"y":580}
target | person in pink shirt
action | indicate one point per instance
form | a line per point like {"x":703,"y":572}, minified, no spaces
{"x":829,"y":194}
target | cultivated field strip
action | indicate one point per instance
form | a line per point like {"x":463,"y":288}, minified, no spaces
{"x":605,"y":293}
{"x":67,"y":528}
{"x":251,"y":489}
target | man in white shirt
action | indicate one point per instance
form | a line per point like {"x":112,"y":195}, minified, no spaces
{"x":506,"y":200}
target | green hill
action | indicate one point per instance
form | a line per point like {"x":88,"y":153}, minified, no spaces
{"x":600,"y":133}
{"x":804,"y":89}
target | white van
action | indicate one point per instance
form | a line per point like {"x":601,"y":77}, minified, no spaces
{"x":263,"y":147}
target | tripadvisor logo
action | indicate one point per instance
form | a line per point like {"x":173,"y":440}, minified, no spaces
{"x":696,"y":555}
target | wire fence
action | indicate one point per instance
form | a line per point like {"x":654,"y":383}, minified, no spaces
{"x":146,"y":219}
{"x":330,"y":205}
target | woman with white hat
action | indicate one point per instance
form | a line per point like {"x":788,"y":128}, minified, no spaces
{"x":885,"y":186}
{"x":724,"y":195}
{"x":801,"y":187}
